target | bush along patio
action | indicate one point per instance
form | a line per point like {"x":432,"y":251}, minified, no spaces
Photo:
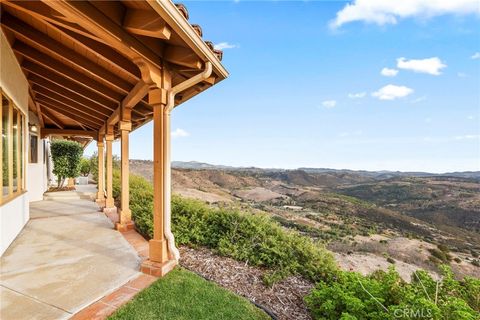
{"x":260,"y":241}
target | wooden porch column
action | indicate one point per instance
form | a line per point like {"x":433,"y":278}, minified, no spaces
{"x":125,"y":215}
{"x":101,"y":174}
{"x":109,"y":202}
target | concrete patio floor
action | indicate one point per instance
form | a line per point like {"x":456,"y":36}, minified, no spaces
{"x":67,"y":257}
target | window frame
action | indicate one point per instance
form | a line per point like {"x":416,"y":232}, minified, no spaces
{"x":20,"y":146}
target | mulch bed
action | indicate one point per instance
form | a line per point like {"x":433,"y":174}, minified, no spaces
{"x":55,"y":189}
{"x":284,"y":299}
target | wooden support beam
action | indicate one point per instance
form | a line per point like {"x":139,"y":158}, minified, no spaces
{"x":65,"y":106}
{"x":109,"y":202}
{"x":68,"y":132}
{"x":35,"y":107}
{"x":48,"y":62}
{"x":53,"y":105}
{"x":46,"y":107}
{"x":101,"y":173}
{"x":146,"y":23}
{"x":182,"y":56}
{"x":90,"y":18}
{"x":45,"y":13}
{"x":46,"y":78}
{"x":40,"y":82}
{"x":87,"y":108}
{"x":59,"y":51}
{"x":124,"y":214}
{"x":57,"y":122}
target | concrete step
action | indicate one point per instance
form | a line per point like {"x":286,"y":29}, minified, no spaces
{"x":67,"y":195}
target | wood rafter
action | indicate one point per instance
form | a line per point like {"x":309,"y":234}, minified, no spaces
{"x":59,"y":51}
{"x":72,"y":95}
{"x":45,"y":13}
{"x":47,"y":62}
{"x":98,"y":113}
{"x":90,"y":18}
{"x":47,"y":114}
{"x":182,"y":56}
{"x":44,"y":77}
{"x":146,"y":23}
{"x":67,"y":110}
{"x":85,"y":124}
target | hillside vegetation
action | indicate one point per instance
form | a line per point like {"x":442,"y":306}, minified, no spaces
{"x":259,"y":240}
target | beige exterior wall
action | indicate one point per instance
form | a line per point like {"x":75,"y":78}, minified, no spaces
{"x":15,"y":213}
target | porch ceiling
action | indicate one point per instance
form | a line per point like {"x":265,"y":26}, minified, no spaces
{"x":79,"y":76}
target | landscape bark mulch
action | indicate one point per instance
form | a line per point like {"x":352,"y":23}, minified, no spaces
{"x":284,"y":299}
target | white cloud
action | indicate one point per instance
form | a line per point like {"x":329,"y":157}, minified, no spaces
{"x":382,"y":12}
{"x":329,"y":103}
{"x":392,"y":92}
{"x":468,"y":137}
{"x":428,"y":120}
{"x":224,"y":45}
{"x":430,"y":65}
{"x":387,"y":72}
{"x":462,"y":75}
{"x":470,"y":117}
{"x":357,"y":95}
{"x":179,"y":133}
{"x":476,"y":55}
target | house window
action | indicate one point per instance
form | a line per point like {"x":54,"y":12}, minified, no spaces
{"x":33,"y":148}
{"x":12,"y":127}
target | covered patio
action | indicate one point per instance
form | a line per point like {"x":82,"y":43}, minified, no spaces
{"x":97,"y":70}
{"x":67,"y":257}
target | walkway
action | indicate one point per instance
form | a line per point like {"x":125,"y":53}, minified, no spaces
{"x":67,"y":257}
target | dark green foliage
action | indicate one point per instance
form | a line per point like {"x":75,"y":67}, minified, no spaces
{"x":385,"y":296}
{"x":94,"y":166}
{"x":391,"y":260}
{"x":66,"y":157}
{"x":440,"y":255}
{"x":85,"y":167}
{"x":243,"y":236}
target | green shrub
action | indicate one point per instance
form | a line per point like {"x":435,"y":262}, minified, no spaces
{"x":66,"y":157}
{"x":84,"y":167}
{"x":255,"y":239}
{"x":385,"y":296}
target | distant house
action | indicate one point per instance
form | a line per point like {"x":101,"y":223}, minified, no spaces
{"x":95,"y":71}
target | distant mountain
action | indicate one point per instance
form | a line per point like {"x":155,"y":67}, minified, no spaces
{"x":379,"y":175}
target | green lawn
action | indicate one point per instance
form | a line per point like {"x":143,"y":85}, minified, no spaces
{"x":183,"y":295}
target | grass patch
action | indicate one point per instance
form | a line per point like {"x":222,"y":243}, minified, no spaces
{"x":183,"y":295}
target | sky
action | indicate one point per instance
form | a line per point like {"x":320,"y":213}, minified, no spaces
{"x":372,"y":85}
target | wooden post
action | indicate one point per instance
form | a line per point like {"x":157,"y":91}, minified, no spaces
{"x":101,"y":174}
{"x":109,"y":202}
{"x":125,"y":215}
{"x":158,"y":245}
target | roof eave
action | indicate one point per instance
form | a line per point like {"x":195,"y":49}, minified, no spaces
{"x":167,"y":10}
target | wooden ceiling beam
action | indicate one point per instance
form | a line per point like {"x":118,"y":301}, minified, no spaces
{"x":69,"y":115}
{"x":88,"y":109}
{"x":44,"y":77}
{"x":35,"y":106}
{"x":66,"y":109}
{"x":69,"y":132}
{"x":182,"y":56}
{"x":104,"y":52}
{"x":47,"y":114}
{"x":58,"y":51}
{"x":47,"y":14}
{"x":146,"y":23}
{"x":64,"y":70}
{"x":90,"y":18}
{"x":72,"y":95}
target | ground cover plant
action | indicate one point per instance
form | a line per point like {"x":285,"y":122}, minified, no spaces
{"x":183,"y":295}
{"x":259,"y":240}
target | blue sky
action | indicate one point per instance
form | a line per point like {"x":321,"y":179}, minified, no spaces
{"x":306,"y":89}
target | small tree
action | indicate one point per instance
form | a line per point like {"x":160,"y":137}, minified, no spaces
{"x":85,"y":167}
{"x":66,"y":157}
{"x":94,"y":166}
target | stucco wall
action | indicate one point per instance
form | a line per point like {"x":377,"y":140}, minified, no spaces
{"x":37,"y":181}
{"x":15,"y":213}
